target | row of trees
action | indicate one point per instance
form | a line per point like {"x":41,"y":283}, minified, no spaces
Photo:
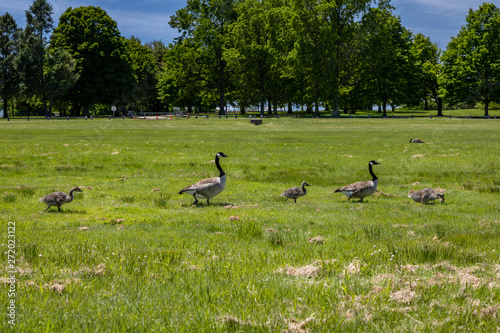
{"x":333,"y":54}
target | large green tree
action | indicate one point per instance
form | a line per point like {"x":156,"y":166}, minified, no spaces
{"x":387,"y":65}
{"x":9,"y":77}
{"x":144,"y":71}
{"x":427,"y":55}
{"x":102,"y":61}
{"x":33,"y":43}
{"x":471,"y":62}
{"x":59,"y":75}
{"x":206,"y":22}
{"x":182,"y":81}
{"x":253,"y":56}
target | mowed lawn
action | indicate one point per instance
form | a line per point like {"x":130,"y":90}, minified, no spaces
{"x":130,"y":254}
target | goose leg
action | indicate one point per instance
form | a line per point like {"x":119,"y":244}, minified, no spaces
{"x":195,"y":200}
{"x":295,"y":200}
{"x":46,"y":209}
{"x":59,"y":208}
{"x":208,"y":203}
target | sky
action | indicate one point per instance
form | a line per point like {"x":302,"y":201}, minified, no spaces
{"x":148,"y":19}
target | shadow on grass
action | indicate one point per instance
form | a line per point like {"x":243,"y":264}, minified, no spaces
{"x":204,"y":204}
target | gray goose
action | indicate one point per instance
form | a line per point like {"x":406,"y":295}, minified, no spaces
{"x":425,"y":195}
{"x":295,"y":192}
{"x":416,"y":141}
{"x":209,"y":187}
{"x":59,"y":198}
{"x":361,"y":189}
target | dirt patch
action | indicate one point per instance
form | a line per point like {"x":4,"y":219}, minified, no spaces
{"x":295,"y":326}
{"x":308,"y":271}
{"x":403,"y":296}
{"x":234,"y":218}
{"x":353,"y":268}
{"x":317,"y":239}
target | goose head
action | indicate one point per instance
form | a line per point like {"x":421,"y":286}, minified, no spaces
{"x":372,"y":163}
{"x":76,"y":189}
{"x":304,"y":183}
{"x":440,"y":196}
{"x":221,"y":154}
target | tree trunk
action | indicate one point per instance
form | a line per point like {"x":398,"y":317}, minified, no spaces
{"x":316,"y":108}
{"x":290,"y":108}
{"x":439,"y":102}
{"x":384,"y":109}
{"x":262,"y":108}
{"x":426,"y":105}
{"x":269,"y":106}
{"x":275,"y":108}
{"x":5,"y":115}
{"x":486,"y":107}
{"x":242,"y":110}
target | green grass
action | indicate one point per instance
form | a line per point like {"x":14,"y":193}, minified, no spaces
{"x":130,"y":254}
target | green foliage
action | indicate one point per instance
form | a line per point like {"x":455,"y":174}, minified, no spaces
{"x":470,"y":62}
{"x":103,"y":63}
{"x":9,"y":76}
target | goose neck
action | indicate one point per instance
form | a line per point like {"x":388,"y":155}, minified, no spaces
{"x":222,"y":173}
{"x":371,"y":172}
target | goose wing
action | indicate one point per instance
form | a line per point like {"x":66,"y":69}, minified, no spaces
{"x":355,"y":187}
{"x":201,"y":185}
{"x":292,"y":192}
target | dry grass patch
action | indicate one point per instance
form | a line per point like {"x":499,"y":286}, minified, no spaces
{"x":317,"y":239}
{"x":308,"y":271}
{"x":295,"y":326}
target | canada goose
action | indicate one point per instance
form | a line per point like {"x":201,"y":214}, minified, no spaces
{"x":295,"y":192}
{"x":416,"y":141}
{"x":59,"y":198}
{"x":425,"y":195}
{"x":361,"y":189}
{"x":210,"y":187}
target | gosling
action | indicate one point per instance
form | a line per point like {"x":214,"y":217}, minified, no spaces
{"x":425,"y":195}
{"x":295,"y":192}
{"x":59,"y":198}
{"x":416,"y":141}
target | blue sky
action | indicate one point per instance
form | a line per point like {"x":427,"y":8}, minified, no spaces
{"x":148,"y":19}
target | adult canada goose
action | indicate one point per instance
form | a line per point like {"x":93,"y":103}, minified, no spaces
{"x":361,"y":189}
{"x":210,"y":187}
{"x":295,"y":192}
{"x":416,"y":141}
{"x":425,"y":195}
{"x":59,"y":198}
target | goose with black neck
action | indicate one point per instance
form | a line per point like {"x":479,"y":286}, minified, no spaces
{"x":361,"y":189}
{"x":209,"y":187}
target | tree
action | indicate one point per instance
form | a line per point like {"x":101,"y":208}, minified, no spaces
{"x":39,"y":23}
{"x":182,"y":80}
{"x":427,"y":59}
{"x":9,"y":77}
{"x":251,"y":54}
{"x":158,"y":50}
{"x":471,"y":70}
{"x":206,"y":22}
{"x":144,"y":71}
{"x":102,"y":61}
{"x":387,"y":65}
{"x":59,"y":75}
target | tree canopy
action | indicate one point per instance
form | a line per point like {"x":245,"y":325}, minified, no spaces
{"x":92,"y":38}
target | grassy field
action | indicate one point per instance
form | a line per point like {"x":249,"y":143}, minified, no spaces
{"x":131,"y":255}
